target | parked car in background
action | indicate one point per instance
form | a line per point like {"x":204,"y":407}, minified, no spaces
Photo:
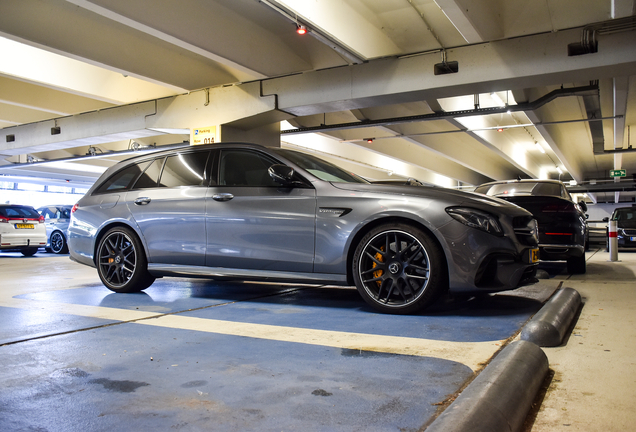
{"x":562,"y":222}
{"x":56,"y":219}
{"x":243,"y":211}
{"x":21,"y":229}
{"x":625,"y":218}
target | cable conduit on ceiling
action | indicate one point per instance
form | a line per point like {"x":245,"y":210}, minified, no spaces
{"x":530,"y":106}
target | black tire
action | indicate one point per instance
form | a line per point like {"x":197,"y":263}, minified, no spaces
{"x":576,"y":265}
{"x":29,"y":251}
{"x":58,"y":243}
{"x":399,"y":269}
{"x":121,"y":261}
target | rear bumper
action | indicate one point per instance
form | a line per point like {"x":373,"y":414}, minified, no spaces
{"x":560,"y":252}
{"x":10,"y":241}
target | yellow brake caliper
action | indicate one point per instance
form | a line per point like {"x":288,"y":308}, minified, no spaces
{"x":378,"y":273}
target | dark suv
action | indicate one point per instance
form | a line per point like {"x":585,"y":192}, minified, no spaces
{"x":562,"y":222}
{"x":625,"y":218}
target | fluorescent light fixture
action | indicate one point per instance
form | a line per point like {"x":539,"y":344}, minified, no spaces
{"x":70,"y":166}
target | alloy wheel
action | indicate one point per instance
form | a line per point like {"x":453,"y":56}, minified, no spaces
{"x":394,"y":268}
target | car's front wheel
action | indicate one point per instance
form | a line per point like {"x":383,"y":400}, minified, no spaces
{"x":121,"y":261}
{"x":58,"y":243}
{"x":399,"y":269}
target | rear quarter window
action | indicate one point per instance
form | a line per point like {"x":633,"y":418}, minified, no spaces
{"x":123,"y":179}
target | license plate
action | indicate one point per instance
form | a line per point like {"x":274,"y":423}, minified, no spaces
{"x":24,"y":226}
{"x":632,"y":238}
{"x":534,"y":255}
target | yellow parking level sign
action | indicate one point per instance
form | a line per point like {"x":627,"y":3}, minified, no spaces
{"x":204,"y":135}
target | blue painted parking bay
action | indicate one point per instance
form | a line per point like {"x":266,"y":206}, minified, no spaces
{"x":192,"y":354}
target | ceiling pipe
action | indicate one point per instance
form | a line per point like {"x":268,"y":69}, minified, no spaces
{"x":500,"y":128}
{"x":90,"y":156}
{"x":529,"y":106}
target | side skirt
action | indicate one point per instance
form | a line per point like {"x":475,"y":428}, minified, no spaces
{"x":160,"y":270}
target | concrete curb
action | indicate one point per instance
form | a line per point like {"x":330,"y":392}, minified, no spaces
{"x":547,"y":328}
{"x":501,"y":396}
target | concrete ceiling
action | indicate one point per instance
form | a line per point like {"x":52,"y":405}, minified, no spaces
{"x":84,"y":83}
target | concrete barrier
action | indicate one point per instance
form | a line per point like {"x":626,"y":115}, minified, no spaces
{"x":547,"y":328}
{"x":500,"y":398}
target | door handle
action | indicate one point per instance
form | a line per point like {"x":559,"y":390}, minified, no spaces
{"x":222,"y":197}
{"x":142,"y":201}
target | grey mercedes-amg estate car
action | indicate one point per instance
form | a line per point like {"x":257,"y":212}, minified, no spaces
{"x":243,"y":211}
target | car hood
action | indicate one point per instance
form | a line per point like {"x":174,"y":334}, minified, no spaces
{"x":452,"y":196}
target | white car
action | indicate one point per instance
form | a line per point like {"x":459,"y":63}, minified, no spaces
{"x":22,"y":229}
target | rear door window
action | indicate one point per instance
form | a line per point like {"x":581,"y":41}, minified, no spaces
{"x":150,"y":176}
{"x":185,"y":169}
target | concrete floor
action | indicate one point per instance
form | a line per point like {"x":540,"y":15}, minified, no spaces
{"x":594,"y":382}
{"x":199,"y":355}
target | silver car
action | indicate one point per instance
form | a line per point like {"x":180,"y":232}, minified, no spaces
{"x":243,"y":211}
{"x":57,"y":219}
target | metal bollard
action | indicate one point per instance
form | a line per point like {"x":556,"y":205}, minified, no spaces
{"x":613,"y":241}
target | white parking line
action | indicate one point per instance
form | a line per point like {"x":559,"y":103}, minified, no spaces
{"x":471,"y":354}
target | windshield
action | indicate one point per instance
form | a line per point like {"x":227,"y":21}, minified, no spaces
{"x":522,"y":189}
{"x":625,"y":217}
{"x":320,"y":168}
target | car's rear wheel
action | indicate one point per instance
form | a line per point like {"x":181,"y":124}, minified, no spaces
{"x":58,"y":243}
{"x":399,"y":269}
{"x":29,"y":251}
{"x":121,"y":261}
{"x":576,"y":265}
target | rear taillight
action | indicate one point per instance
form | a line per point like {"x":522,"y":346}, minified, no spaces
{"x":41,"y":219}
{"x":4,"y":220}
{"x":75,"y":207}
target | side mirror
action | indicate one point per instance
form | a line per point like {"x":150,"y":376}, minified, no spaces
{"x":606,"y":219}
{"x":583,"y":205}
{"x":281,"y":174}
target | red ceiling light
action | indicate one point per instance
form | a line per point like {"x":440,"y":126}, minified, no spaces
{"x":369,"y":140}
{"x":500,"y":130}
{"x":301,"y":29}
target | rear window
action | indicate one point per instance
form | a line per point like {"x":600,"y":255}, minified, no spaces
{"x":19,"y":212}
{"x":523,"y":189}
{"x":54,"y":212}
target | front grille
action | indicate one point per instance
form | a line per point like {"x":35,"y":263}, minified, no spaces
{"x":526,"y":230}
{"x":629,"y":232}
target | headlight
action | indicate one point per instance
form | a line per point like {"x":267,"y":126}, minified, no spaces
{"x":476,"y":219}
